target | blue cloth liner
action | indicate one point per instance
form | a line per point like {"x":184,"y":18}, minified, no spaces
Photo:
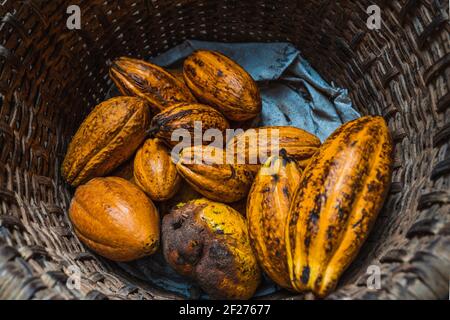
{"x":293,"y":93}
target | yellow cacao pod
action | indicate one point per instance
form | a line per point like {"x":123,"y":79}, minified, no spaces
{"x":107,"y":138}
{"x":208,"y":242}
{"x":155,"y":172}
{"x":135,"y":77}
{"x":220,"y":82}
{"x":341,"y":192}
{"x":206,"y":169}
{"x":258,"y":144}
{"x":185,"y":116}
{"x":267,"y":211}
{"x":115,"y":219}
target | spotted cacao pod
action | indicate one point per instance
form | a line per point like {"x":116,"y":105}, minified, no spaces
{"x":221,"y":83}
{"x":108,"y":137}
{"x":342,"y":190}
{"x":158,"y":87}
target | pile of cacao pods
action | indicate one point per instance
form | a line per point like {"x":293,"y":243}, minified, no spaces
{"x":300,"y":215}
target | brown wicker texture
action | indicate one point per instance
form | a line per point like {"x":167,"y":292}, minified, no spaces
{"x":50,"y":77}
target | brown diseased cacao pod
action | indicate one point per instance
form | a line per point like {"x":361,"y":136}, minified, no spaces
{"x":208,"y":242}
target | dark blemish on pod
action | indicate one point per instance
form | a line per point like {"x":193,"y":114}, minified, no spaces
{"x":318,"y":281}
{"x":286,"y":192}
{"x":307,"y":241}
{"x":189,"y":70}
{"x":373,"y":187}
{"x":266,"y":190}
{"x":314,"y":216}
{"x":341,"y":212}
{"x":162,"y":120}
{"x":198,"y":62}
{"x":276,"y":178}
{"x":330,"y":231}
{"x":358,"y":223}
{"x":177,"y":224}
{"x":305,"y":275}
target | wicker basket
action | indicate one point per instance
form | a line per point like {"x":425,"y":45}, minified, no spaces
{"x":50,"y":76}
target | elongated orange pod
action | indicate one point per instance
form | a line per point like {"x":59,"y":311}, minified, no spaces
{"x":223,"y":84}
{"x":209,"y":172}
{"x":134,"y":77}
{"x":155,"y":172}
{"x":267,"y":211}
{"x":107,"y":138}
{"x":187,"y":118}
{"x":258,"y":144}
{"x":342,"y":190}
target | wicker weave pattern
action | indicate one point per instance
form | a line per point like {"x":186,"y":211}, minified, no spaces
{"x":51,"y":76}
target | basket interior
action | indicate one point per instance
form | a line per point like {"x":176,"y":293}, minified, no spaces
{"x":52,"y":77}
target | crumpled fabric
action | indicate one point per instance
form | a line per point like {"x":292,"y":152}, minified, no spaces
{"x":293,"y":93}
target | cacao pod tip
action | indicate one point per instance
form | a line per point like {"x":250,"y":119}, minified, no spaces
{"x":152,"y":131}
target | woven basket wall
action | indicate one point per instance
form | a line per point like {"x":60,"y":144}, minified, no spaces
{"x":50,"y":77}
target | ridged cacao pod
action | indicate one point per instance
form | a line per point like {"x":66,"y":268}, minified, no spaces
{"x":212,"y":176}
{"x":115,"y":219}
{"x":256,"y":145}
{"x":221,"y":83}
{"x":135,"y":77}
{"x":208,"y":242}
{"x":341,"y":192}
{"x":155,"y":172}
{"x":107,"y":138}
{"x":267,"y":211}
{"x":185,"y":116}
